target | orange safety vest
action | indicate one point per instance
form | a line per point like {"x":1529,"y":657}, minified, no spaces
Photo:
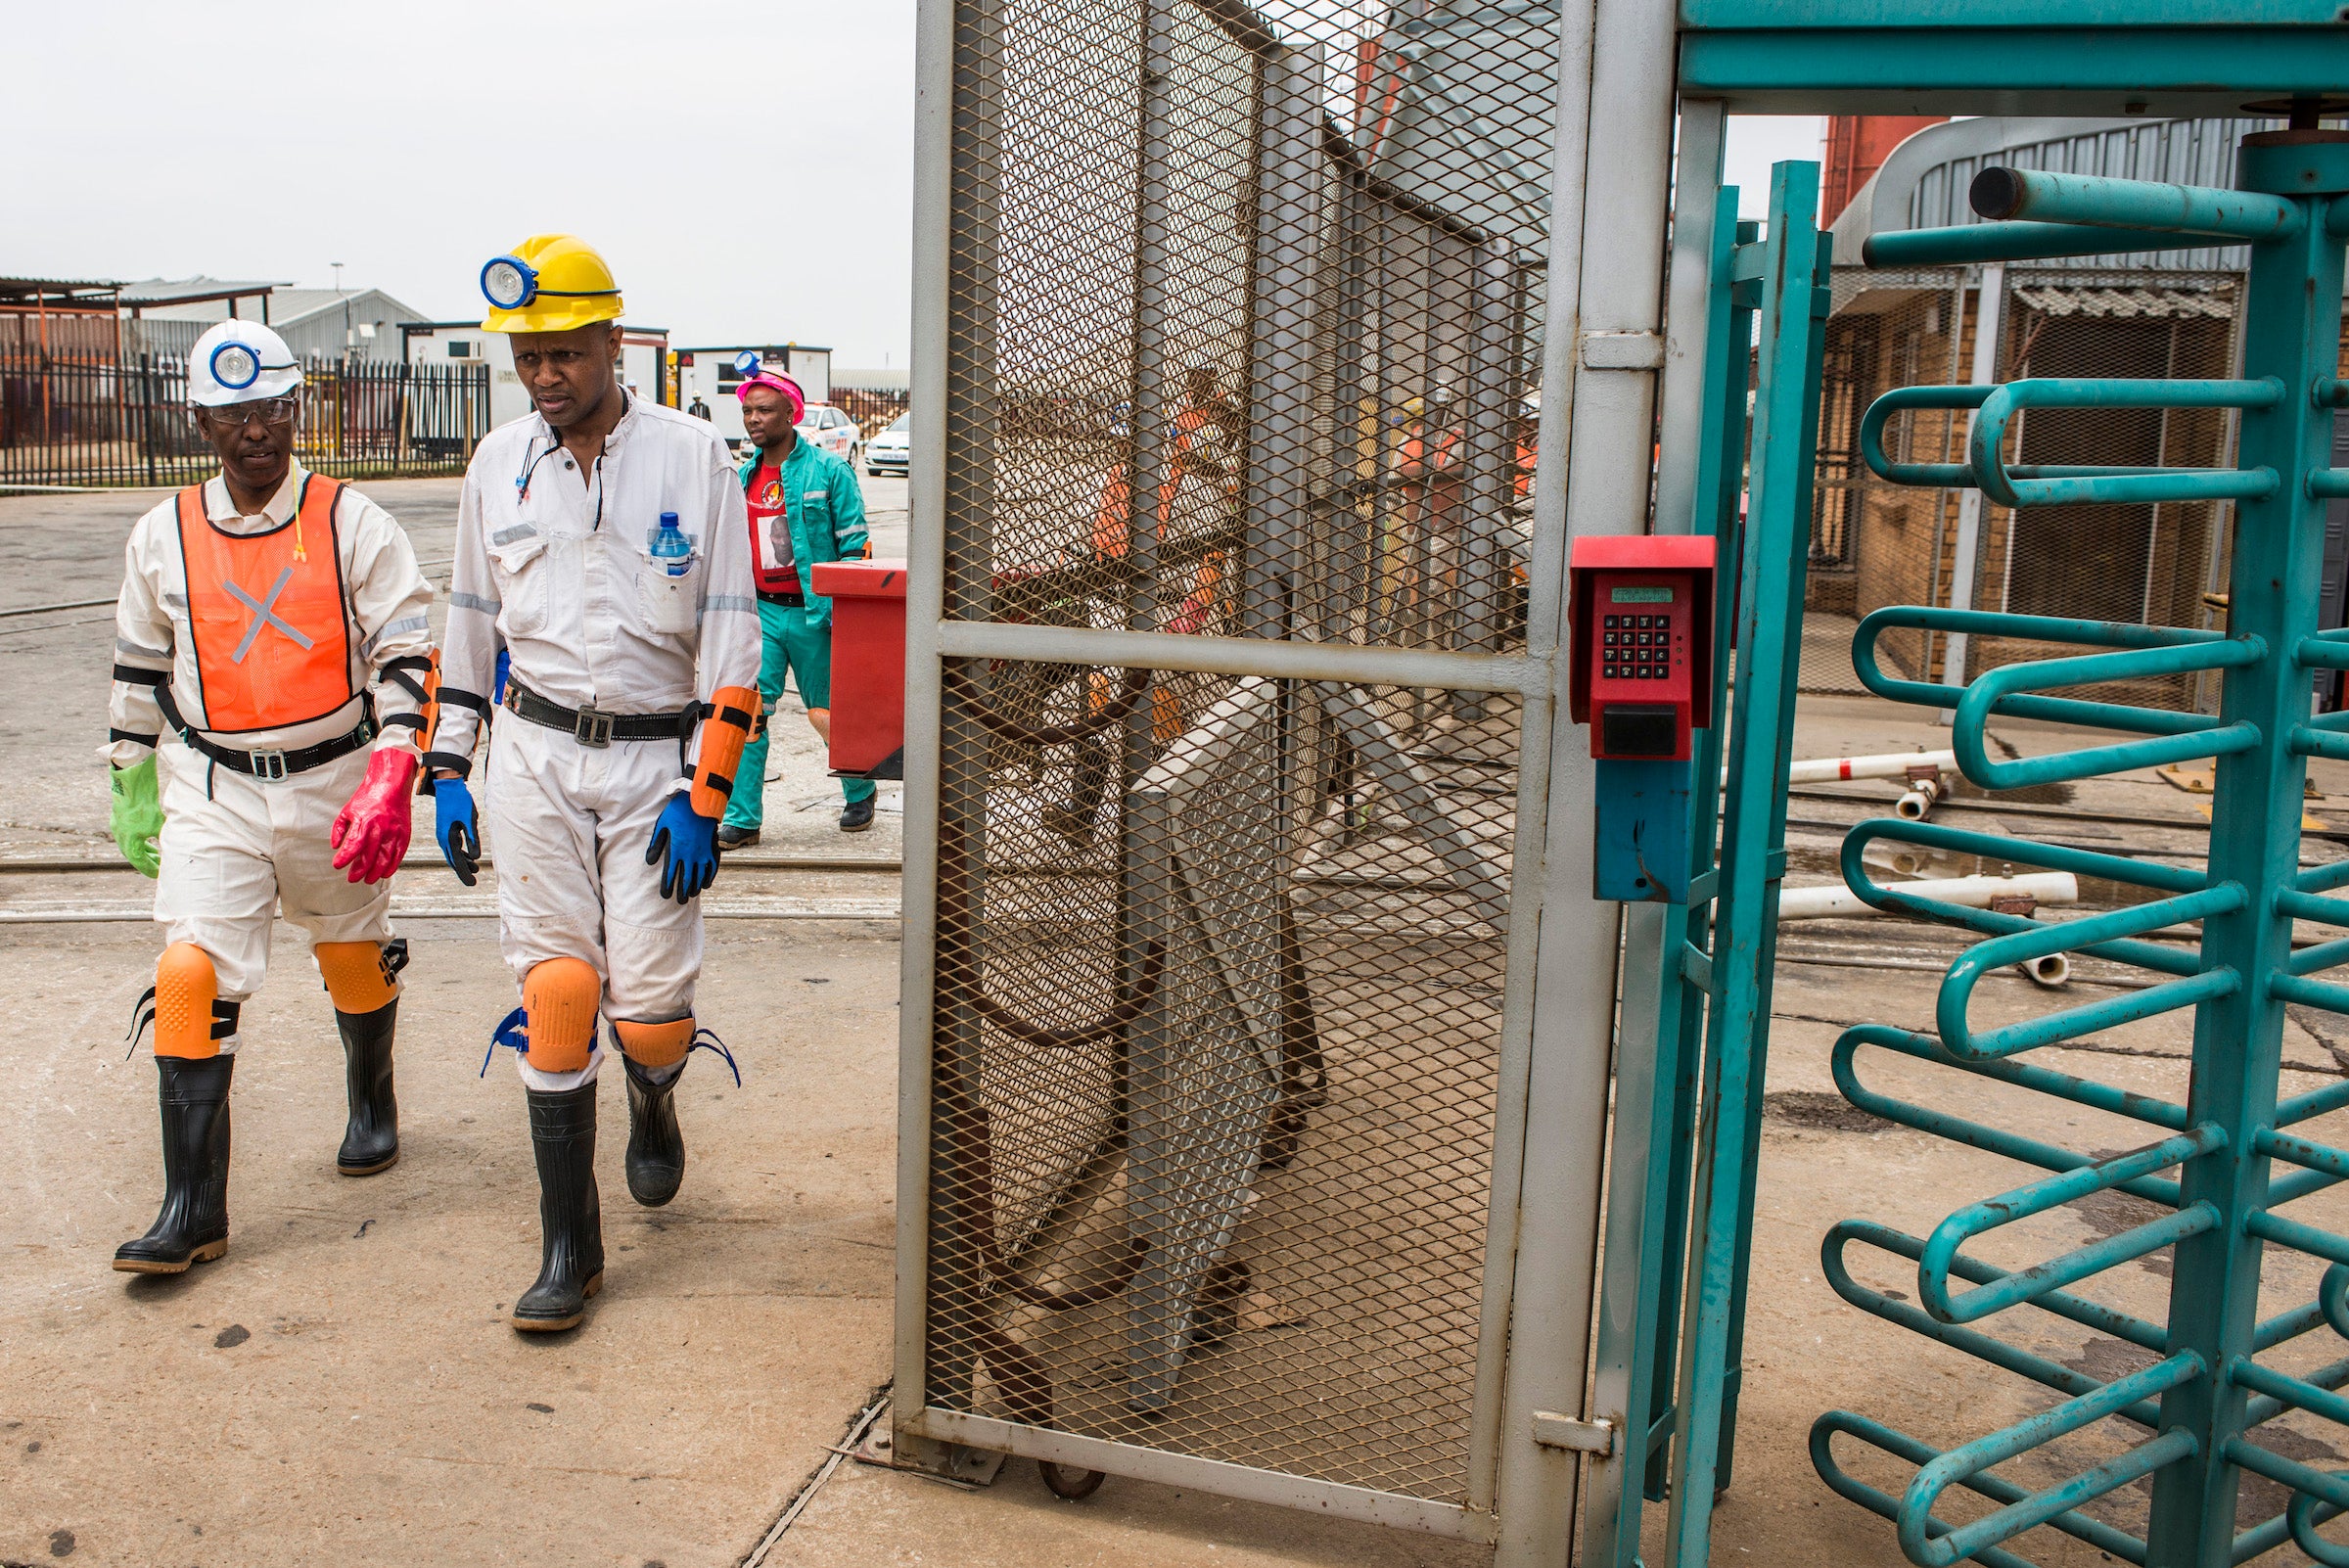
{"x":265,"y":613}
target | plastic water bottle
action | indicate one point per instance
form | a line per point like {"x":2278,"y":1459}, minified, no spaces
{"x":669,"y":544}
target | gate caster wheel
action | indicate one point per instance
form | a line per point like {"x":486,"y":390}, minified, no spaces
{"x":1067,"y":1483}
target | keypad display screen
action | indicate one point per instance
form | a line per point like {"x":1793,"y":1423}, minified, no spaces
{"x":1650,"y":593}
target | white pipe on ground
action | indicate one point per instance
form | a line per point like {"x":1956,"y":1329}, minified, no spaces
{"x":1835,"y":769}
{"x":1922,"y":794}
{"x":2052,"y":971}
{"x":1972,"y":893}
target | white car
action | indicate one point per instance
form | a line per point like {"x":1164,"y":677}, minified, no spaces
{"x":892,"y":449}
{"x":825,"y":426}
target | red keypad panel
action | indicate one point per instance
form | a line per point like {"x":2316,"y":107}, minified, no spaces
{"x":1642,"y":648}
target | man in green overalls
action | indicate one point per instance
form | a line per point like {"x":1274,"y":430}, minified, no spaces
{"x":805,"y":507}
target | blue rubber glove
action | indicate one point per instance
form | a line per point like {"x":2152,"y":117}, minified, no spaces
{"x":457,"y":828}
{"x":690,"y":842}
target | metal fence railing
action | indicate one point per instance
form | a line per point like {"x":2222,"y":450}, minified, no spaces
{"x":872,"y":410}
{"x":85,"y":418}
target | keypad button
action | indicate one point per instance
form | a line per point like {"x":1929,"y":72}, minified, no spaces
{"x":1610,"y":636}
{"x":1614,"y":621}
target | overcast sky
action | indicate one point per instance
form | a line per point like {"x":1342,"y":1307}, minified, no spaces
{"x":746,"y":165}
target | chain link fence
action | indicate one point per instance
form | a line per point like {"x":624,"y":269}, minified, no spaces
{"x":1241,"y":344}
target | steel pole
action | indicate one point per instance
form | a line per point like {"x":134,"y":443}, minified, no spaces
{"x":1290,"y":220}
{"x":1609,"y":192}
{"x":2293,"y":315}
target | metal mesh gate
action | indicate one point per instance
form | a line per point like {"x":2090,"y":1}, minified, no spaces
{"x":1239,"y":347}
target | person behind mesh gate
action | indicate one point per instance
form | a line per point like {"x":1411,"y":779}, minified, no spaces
{"x":257,"y":610}
{"x":603,"y":547}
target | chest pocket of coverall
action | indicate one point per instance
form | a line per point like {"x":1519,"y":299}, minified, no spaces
{"x":523,"y":585}
{"x":672,"y":606}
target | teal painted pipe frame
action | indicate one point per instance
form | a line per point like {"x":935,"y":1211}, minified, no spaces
{"x":2222,"y":1179}
{"x":2052,"y":485}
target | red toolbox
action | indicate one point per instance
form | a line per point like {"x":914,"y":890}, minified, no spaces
{"x":868,"y":665}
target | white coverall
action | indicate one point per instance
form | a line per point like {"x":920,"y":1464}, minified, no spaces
{"x":233,"y":845}
{"x":560,"y":574}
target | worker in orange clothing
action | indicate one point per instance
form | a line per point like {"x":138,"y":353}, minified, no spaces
{"x":1196,"y":501}
{"x":1201,"y":441}
{"x":260,"y":612}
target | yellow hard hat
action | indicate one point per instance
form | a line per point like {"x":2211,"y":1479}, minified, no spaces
{"x":549,"y":283}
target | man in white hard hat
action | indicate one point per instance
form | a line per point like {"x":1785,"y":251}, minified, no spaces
{"x":271,"y":648}
{"x":603,"y":547}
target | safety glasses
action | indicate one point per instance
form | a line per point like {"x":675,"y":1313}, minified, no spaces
{"x":268,"y":411}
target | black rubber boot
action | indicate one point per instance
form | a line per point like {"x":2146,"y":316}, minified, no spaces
{"x":656,"y":1144}
{"x":571,"y":1221}
{"x":371,"y":1142}
{"x":191,"y":1227}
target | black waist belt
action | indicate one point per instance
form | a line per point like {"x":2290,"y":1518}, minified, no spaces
{"x":591,"y":726}
{"x":789,"y":601}
{"x":267,"y":765}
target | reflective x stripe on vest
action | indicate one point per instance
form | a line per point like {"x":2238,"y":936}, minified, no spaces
{"x":265,"y":613}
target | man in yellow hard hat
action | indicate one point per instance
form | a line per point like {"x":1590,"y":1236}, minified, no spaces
{"x":603,"y":547}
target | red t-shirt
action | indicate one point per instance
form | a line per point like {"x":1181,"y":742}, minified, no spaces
{"x":771,"y":532}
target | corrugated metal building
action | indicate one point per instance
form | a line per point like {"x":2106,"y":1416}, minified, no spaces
{"x":316,"y":323}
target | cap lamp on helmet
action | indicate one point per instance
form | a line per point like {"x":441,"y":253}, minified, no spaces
{"x":749,"y":366}
{"x":548,"y":283}
{"x":509,"y":283}
{"x":236,"y":367}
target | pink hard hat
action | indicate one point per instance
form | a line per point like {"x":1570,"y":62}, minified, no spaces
{"x":782,"y":383}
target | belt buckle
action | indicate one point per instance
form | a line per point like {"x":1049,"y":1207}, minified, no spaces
{"x":593,"y":729}
{"x":269,"y":766}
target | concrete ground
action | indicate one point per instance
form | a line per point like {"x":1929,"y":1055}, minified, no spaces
{"x":342,"y":1385}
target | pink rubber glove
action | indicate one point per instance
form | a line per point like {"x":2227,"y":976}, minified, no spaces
{"x":371,"y":834}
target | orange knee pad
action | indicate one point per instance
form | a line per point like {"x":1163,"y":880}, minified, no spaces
{"x":186,"y":987}
{"x":654,"y":1044}
{"x":560,"y":998}
{"x":356,"y":976}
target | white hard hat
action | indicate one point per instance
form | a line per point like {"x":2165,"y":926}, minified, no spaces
{"x":238,"y":361}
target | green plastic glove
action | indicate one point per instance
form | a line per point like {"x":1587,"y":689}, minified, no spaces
{"x":138,"y":816}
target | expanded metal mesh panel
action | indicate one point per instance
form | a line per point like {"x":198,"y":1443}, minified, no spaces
{"x":1241,"y":344}
{"x":1244,"y":338}
{"x":1220,"y":962}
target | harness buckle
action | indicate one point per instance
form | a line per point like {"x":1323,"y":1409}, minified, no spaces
{"x":268,"y":766}
{"x":593,"y":729}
